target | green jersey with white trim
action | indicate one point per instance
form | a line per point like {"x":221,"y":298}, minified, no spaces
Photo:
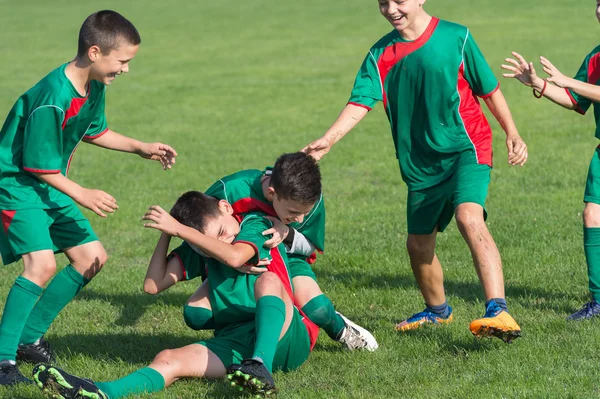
{"x":40,"y":135}
{"x":243,"y":190}
{"x":429,"y":88}
{"x":589,"y":72}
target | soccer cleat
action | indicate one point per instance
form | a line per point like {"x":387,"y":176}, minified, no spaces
{"x":496,"y":323}
{"x":10,"y":375}
{"x":251,"y":376}
{"x":425,"y":317}
{"x":354,"y":336}
{"x":61,"y":385}
{"x":38,"y":352}
{"x":588,"y":311}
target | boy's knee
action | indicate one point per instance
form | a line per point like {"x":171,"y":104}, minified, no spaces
{"x":166,"y":357}
{"x":92,"y":263}
{"x":45,"y":271}
{"x":267,"y":284}
{"x":417,"y":245}
{"x":591,"y":215}
{"x":469,"y":220}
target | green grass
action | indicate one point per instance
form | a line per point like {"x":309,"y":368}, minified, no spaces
{"x":233,"y":85}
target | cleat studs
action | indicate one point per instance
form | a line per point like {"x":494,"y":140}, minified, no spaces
{"x":238,"y":373}
{"x":241,"y":389}
{"x":246,"y":377}
{"x":229,"y":377}
{"x":233,"y":383}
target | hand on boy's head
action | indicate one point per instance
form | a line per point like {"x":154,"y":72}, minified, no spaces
{"x":162,"y":221}
{"x":555,"y":76}
{"x":97,"y":201}
{"x":163,"y":153}
{"x":517,"y":150}
{"x":279,"y":231}
{"x":318,"y":148}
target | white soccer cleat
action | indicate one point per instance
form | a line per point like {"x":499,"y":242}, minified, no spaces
{"x":354,"y":336}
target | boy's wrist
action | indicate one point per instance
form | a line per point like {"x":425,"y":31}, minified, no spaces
{"x":538,"y":84}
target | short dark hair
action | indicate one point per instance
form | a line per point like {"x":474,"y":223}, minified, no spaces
{"x":106,"y":29}
{"x":296,"y":176}
{"x":195,"y":209}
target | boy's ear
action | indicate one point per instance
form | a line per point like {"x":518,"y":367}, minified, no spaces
{"x":94,"y":53}
{"x":225,"y":207}
{"x":271,"y":192}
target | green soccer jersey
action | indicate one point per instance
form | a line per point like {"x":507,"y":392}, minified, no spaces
{"x":588,"y":73}
{"x":429,"y":88}
{"x":41,"y":133}
{"x":243,"y":190}
{"x":232,"y":292}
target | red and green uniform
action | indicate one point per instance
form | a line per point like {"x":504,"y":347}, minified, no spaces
{"x":40,"y":134}
{"x":430,"y":89}
{"x":590,"y":73}
{"x":233,"y":303}
{"x":243,"y":190}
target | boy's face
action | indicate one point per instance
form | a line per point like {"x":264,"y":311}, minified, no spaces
{"x":106,"y":67}
{"x":225,"y":227}
{"x":289,"y":211}
{"x":598,"y":10}
{"x":400,"y":13}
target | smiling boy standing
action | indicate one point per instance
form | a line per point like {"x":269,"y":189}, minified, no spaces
{"x":38,"y":214}
{"x":430,"y":74}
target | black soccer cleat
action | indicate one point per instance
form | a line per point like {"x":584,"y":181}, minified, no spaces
{"x":38,"y":352}
{"x":10,"y":375}
{"x":61,"y":385}
{"x":251,"y":376}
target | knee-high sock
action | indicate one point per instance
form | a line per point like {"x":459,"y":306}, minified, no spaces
{"x":270,"y":317}
{"x":591,"y":246}
{"x":320,"y":311}
{"x":145,"y":380}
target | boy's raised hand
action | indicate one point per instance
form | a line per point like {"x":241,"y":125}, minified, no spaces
{"x":521,"y":70}
{"x":97,"y":201}
{"x":163,"y":221}
{"x":163,"y":153}
{"x":555,"y":76}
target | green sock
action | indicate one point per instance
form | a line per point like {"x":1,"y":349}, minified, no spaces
{"x":591,"y":246}
{"x":321,"y":312}
{"x":61,"y":290}
{"x":21,"y":299}
{"x":270,"y":316}
{"x":198,"y":318}
{"x":144,"y":380}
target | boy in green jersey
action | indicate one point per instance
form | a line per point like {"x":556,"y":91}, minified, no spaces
{"x":257,"y":328}
{"x":290,"y":192}
{"x":37,"y":200}
{"x":429,"y":74}
{"x":577,"y":94}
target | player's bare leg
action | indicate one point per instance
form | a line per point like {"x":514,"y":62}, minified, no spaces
{"x":497,"y":321}
{"x":430,"y":277}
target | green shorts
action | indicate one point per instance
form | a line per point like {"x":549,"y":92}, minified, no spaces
{"x":434,"y":206}
{"x":235,"y":343}
{"x":29,"y":230}
{"x":592,"y":184}
{"x":298,"y":266}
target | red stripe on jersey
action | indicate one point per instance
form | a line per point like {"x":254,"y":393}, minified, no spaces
{"x":75,"y":107}
{"x":360,"y":105}
{"x":7,"y":217}
{"x":278,"y":267}
{"x":246,"y":205}
{"x":594,"y":69}
{"x":174,"y":254}
{"x":41,"y":170}
{"x":477,"y":127}
{"x":490,"y":93}
{"x":98,"y":135}
{"x":575,"y":103}
{"x":394,"y":53}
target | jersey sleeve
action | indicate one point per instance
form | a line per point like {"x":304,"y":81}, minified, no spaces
{"x":313,"y":226}
{"x":218,"y":191}
{"x":99,"y":124}
{"x":582,"y":103}
{"x":367,"y":90}
{"x":478,"y":73}
{"x":192,"y":263}
{"x":251,"y":230}
{"x":42,"y":141}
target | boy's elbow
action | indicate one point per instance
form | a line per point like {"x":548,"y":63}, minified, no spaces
{"x":235,"y":260}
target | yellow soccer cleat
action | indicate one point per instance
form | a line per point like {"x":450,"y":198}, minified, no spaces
{"x":425,"y":317}
{"x":496,"y":323}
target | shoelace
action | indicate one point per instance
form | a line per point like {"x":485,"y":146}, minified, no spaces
{"x":354,"y":339}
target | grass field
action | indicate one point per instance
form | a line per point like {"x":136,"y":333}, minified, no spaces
{"x":233,"y":85}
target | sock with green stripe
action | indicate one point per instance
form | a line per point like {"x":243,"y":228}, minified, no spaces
{"x":61,"y":290}
{"x":146,"y":380}
{"x":270,"y":317}
{"x":20,"y":301}
{"x":320,"y":311}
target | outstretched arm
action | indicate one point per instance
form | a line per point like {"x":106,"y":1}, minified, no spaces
{"x":525,"y":73}
{"x":517,"y":149}
{"x":163,"y":153}
{"x":582,"y":88}
{"x":348,"y":118}
{"x":161,"y":273}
